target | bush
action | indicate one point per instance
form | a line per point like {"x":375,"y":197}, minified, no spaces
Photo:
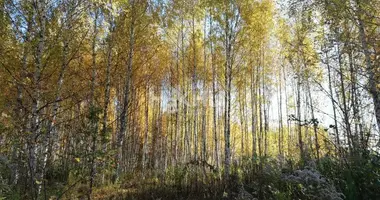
{"x":358,"y":177}
{"x":310,"y":184}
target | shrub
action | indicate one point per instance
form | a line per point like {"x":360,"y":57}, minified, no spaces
{"x":310,"y":184}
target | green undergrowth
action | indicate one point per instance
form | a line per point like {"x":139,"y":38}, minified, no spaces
{"x":263,"y":178}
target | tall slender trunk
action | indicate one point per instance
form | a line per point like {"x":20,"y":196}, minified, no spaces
{"x":154,"y":133}
{"x":195,"y":92}
{"x":169,"y":124}
{"x":241,"y":123}
{"x":265,"y":110}
{"x":145,"y":143}
{"x":108,"y":75}
{"x":315,"y":122}
{"x":40,"y":10}
{"x":160,"y":134}
{"x":124,"y":112}
{"x":260,"y":116}
{"x":52,"y":133}
{"x":345,"y":109}
{"x":266,"y":127}
{"x":254,"y":109}
{"x":214,"y":103}
{"x":373,"y":76}
{"x":307,"y":141}
{"x":281,"y":126}
{"x":93,"y":112}
{"x":20,"y":109}
{"x":177,"y":124}
{"x":300,"y":140}
{"x":354,"y":105}
{"x":227,"y":98}
{"x":205,"y":96}
{"x":186,"y":146}
{"x":287,"y":112}
{"x":332,"y":99}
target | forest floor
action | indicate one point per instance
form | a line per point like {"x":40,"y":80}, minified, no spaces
{"x":328,"y":179}
{"x":263,"y":181}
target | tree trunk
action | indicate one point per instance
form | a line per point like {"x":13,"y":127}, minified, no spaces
{"x":260,"y":137}
{"x":345,"y":109}
{"x":124,"y":112}
{"x":92,"y":110}
{"x":177,"y":124}
{"x":195,"y":93}
{"x":145,"y":143}
{"x":108,"y":76}
{"x":281,"y":126}
{"x":314,"y":121}
{"x":241,"y":123}
{"x":186,"y":146}
{"x":35,"y":123}
{"x":254,"y":109}
{"x":214,"y":116}
{"x":227,"y":99}
{"x":332,"y":100}
{"x":52,"y":132}
{"x":205,"y":95}
{"x":373,"y":76}
{"x":300,"y":141}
